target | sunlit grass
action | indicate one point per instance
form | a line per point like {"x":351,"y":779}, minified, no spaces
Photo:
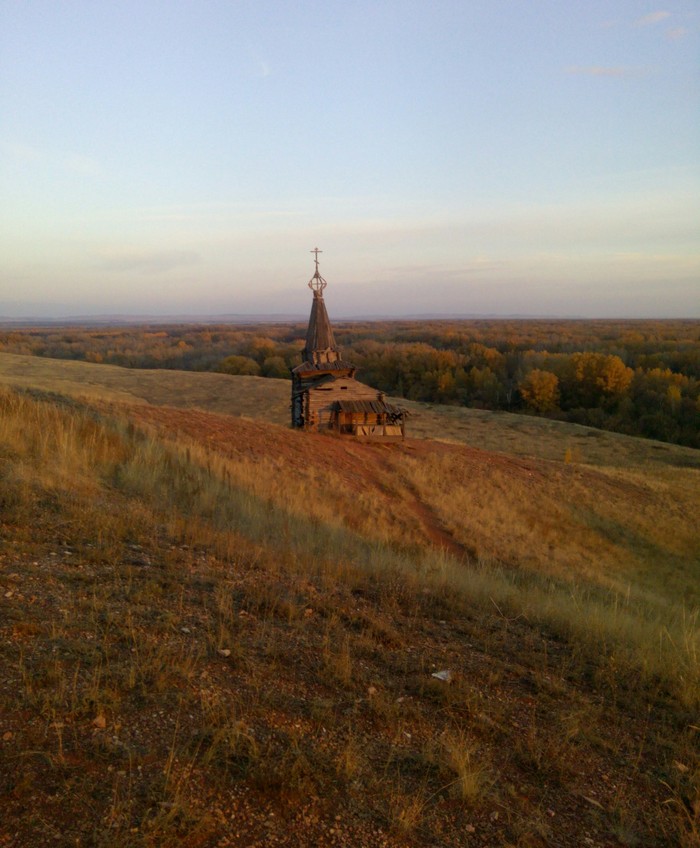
{"x":656,"y":637}
{"x":148,"y":513}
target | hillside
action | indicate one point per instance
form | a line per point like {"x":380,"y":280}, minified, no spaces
{"x":258,"y":397}
{"x":633,"y":377}
{"x":216,"y":631}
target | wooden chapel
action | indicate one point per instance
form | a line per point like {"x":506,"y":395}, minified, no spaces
{"x":325,"y":394}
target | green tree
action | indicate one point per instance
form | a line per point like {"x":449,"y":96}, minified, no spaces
{"x":239,"y":365}
{"x":275,"y":366}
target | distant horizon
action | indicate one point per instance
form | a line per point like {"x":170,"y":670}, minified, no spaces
{"x":136,"y":319}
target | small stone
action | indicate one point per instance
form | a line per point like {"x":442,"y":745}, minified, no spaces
{"x":445,"y":675}
{"x":224,"y":652}
{"x":470,"y":828}
{"x":682,"y":767}
{"x":185,"y":630}
{"x":9,"y":594}
{"x":100,"y":722}
{"x":7,"y":736}
{"x":371,"y":690}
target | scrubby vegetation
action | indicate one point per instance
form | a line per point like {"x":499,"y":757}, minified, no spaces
{"x":198,"y":646}
{"x":634,"y":377}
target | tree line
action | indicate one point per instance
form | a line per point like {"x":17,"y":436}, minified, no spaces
{"x":635,"y":377}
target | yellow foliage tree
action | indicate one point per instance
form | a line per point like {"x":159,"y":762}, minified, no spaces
{"x":540,"y":390}
{"x":601,"y":373}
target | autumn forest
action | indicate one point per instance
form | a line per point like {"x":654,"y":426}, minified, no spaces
{"x":635,"y":377}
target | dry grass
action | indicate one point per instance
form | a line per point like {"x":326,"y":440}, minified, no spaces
{"x":217,"y":392}
{"x":522,"y":435}
{"x":212,"y":653}
{"x":558,"y":545}
{"x":268,"y":399}
{"x":456,"y":755}
{"x":607,"y":525}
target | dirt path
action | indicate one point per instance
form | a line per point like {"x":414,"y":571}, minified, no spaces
{"x":360,"y":466}
{"x":430,"y":521}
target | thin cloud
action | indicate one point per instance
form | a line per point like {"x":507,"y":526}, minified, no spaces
{"x":676,"y":33}
{"x":652,"y":18}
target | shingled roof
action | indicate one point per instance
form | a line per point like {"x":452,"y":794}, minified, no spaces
{"x":310,"y":367}
{"x":371,"y":406}
{"x":319,"y":335}
{"x":321,"y":350}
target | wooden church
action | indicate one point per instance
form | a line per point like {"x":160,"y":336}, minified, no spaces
{"x":326,"y":397}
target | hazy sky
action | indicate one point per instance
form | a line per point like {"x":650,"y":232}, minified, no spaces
{"x":482,"y":156}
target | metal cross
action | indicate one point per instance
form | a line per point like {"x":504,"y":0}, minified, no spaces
{"x":317,"y":283}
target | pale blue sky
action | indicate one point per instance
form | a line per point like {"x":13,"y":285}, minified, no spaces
{"x":484,"y":156}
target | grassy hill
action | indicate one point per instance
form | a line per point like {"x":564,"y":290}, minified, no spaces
{"x":268,"y":399}
{"x":216,"y":631}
